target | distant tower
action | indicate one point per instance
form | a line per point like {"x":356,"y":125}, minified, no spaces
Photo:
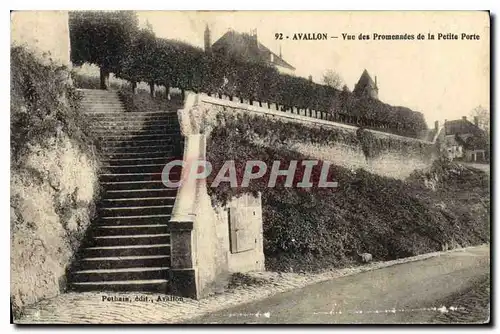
{"x":208,"y":42}
{"x":366,"y":87}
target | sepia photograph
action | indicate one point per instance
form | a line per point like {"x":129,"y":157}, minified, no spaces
{"x":250,"y":167}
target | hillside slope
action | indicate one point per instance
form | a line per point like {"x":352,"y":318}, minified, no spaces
{"x":312,"y":229}
{"x":53,"y":177}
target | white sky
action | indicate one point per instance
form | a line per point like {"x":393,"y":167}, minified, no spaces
{"x":442,"y":79}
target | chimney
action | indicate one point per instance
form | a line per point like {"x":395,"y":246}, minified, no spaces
{"x":464,"y":118}
{"x":253,"y":35}
{"x":375,"y":81}
{"x":436,"y":125}
{"x":310,"y":78}
{"x":207,"y":40}
{"x":476,"y":121}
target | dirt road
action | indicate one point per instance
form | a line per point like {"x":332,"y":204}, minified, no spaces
{"x":413,"y":292}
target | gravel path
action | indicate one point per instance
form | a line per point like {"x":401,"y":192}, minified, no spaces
{"x":474,"y":302}
{"x":413,"y":292}
{"x":136,"y":308}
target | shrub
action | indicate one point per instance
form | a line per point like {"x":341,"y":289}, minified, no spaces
{"x":101,"y":38}
{"x":113,"y":41}
{"x":43,"y":103}
{"x":176,"y":64}
{"x":311,"y":229}
{"x":85,"y":81}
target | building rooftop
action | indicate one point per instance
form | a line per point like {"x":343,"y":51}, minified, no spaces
{"x":241,"y":44}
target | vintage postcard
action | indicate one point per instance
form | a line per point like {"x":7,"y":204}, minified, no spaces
{"x":250,"y":167}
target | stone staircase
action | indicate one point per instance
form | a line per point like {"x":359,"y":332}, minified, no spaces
{"x":95,"y":100}
{"x":127,"y":248}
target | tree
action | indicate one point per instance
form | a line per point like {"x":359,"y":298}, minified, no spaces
{"x":101,"y":38}
{"x":483,"y":116}
{"x":140,"y":63}
{"x":332,"y":79}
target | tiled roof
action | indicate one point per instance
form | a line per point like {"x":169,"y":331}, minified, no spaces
{"x":366,"y":80}
{"x":249,"y":46}
{"x":462,"y":126}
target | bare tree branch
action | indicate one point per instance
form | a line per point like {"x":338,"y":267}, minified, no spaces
{"x":332,"y":79}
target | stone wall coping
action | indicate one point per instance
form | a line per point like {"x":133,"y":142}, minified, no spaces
{"x":299,"y":118}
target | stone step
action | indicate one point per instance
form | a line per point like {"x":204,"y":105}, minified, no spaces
{"x":109,"y":110}
{"x":86,"y":104}
{"x":173,"y":176}
{"x":97,"y":100}
{"x":124,"y":169}
{"x":100,"y":102}
{"x":106,"y":100}
{"x":134,"y":220}
{"x":162,"y":153}
{"x":132,"y":117}
{"x":89,"y":94}
{"x":121,"y":251}
{"x":94,"y":90}
{"x":136,"y":210}
{"x":139,"y":193}
{"x":132,"y":142}
{"x":134,"y":125}
{"x":94,"y":108}
{"x":124,"y":117}
{"x":111,"y":230}
{"x":103,"y":104}
{"x":170,"y":115}
{"x":109,"y":150}
{"x":133,"y":185}
{"x":157,"y":285}
{"x":136,"y":161}
{"x":113,"y":262}
{"x":136,"y":136}
{"x":112,"y":129}
{"x":121,"y":134}
{"x":124,"y":129}
{"x":138,"y":201}
{"x":151,"y":130}
{"x":124,"y":240}
{"x":123,"y":274}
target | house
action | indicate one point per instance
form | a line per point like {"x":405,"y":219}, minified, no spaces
{"x":366,"y":87}
{"x":246,"y":46}
{"x":464,"y":140}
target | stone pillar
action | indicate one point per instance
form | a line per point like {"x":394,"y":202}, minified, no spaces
{"x":183,"y":273}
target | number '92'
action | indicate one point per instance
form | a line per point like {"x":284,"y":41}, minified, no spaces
{"x":278,"y":35}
